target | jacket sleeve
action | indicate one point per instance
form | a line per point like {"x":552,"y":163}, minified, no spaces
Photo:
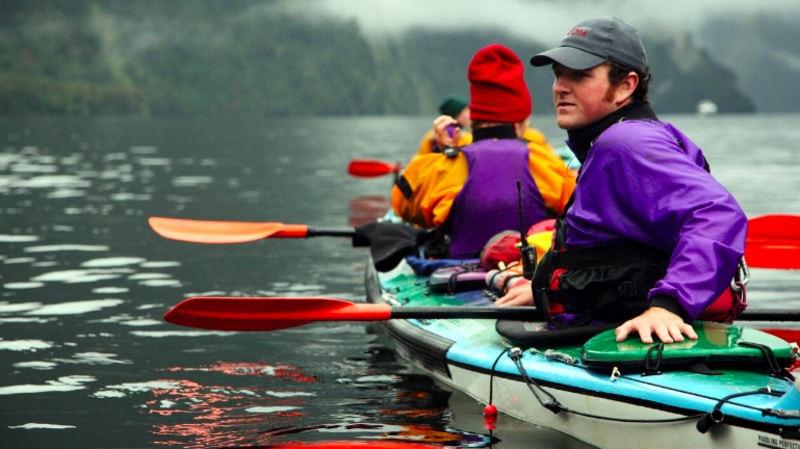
{"x":647,"y":189}
{"x":424,"y":193}
{"x":553,"y":178}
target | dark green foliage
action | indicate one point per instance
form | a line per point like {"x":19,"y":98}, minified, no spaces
{"x":22,"y":95}
{"x":248,"y":57}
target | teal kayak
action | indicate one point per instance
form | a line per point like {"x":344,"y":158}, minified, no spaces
{"x":731,"y":388}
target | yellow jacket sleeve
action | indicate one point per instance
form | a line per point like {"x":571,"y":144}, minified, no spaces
{"x":429,"y":183}
{"x":555,"y":180}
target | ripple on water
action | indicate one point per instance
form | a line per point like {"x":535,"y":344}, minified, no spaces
{"x":112,"y":262}
{"x":66,"y":247}
{"x":36,"y":364}
{"x":110,"y":290}
{"x":94,"y":358}
{"x":35,"y":425}
{"x":55,"y":181}
{"x":65,"y":193}
{"x":182,"y":333}
{"x":75,"y":307}
{"x":191,"y":181}
{"x":121,"y":390}
{"x":125,"y":196}
{"x":62,"y":384}
{"x":22,"y":285}
{"x":155,"y":280}
{"x":79,"y":276}
{"x":6,"y":238}
{"x":24,"y":345}
{"x":160,"y":264}
{"x":161,"y":283}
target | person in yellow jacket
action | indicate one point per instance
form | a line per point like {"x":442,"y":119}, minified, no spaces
{"x":471,"y":193}
{"x":458,"y":108}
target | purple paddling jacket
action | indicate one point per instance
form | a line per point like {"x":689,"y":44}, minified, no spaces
{"x":487,"y":203}
{"x":645,"y":181}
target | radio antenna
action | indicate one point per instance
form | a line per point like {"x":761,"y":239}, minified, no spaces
{"x":527,"y":251}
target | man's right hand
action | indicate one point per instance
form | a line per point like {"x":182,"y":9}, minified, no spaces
{"x":521,"y":294}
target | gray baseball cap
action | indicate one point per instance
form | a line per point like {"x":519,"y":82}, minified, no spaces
{"x":595,"y":41}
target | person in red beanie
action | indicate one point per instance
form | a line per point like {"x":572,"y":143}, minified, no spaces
{"x":469,"y":194}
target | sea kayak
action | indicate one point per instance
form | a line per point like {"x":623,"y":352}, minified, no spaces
{"x":729,"y":389}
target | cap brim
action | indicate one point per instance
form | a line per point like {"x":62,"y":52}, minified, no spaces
{"x":569,"y":57}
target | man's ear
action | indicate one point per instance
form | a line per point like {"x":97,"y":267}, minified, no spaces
{"x":625,"y":89}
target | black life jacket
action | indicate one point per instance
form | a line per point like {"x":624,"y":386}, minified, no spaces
{"x":600,"y":284}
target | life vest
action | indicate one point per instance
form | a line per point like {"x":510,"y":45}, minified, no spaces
{"x":488,"y":202}
{"x":609,"y":284}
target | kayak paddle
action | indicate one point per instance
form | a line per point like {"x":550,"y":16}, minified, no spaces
{"x":372,"y":168}
{"x":773,"y":241}
{"x":235,"y":313}
{"x":211,"y":231}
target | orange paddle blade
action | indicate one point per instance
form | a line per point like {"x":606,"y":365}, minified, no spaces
{"x":372,"y":168}
{"x":209,"y":231}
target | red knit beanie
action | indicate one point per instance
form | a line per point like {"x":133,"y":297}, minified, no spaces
{"x":498,"y":92}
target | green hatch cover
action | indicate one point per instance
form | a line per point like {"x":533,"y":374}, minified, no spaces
{"x":718,"y":344}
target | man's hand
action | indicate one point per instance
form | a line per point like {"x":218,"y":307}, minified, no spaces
{"x":521,"y":294}
{"x":443,"y":138}
{"x":667,"y":326}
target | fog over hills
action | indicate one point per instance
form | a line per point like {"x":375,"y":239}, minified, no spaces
{"x":758,"y":41}
{"x":367,"y":57}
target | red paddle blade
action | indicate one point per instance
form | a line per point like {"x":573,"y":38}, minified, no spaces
{"x":772,"y":255}
{"x":209,"y":231}
{"x":232,"y":313}
{"x":774,"y":227}
{"x":371,"y":168}
{"x":773,"y":241}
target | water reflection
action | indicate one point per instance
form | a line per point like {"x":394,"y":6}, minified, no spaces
{"x":273,"y":405}
{"x":368,"y":208}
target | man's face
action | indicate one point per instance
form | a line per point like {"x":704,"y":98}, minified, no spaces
{"x":582,"y":97}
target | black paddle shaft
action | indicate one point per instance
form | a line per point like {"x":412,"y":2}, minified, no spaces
{"x":491,"y":313}
{"x":330,"y":232}
{"x":530,"y":313}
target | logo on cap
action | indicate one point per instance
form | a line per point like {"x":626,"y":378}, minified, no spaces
{"x":579,"y":31}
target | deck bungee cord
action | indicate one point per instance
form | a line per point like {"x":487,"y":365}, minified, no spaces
{"x":705,"y":421}
{"x":555,"y":406}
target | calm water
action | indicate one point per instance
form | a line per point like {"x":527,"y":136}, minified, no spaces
{"x":87,"y":362}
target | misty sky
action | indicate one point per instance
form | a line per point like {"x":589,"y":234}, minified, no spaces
{"x":544,"y":20}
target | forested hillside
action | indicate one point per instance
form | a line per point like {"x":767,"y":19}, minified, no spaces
{"x":249,"y":57}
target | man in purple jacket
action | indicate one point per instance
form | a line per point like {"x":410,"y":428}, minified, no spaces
{"x":650,"y":239}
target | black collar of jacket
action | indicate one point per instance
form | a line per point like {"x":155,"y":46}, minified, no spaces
{"x":494,"y":132}
{"x":580,"y":140}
